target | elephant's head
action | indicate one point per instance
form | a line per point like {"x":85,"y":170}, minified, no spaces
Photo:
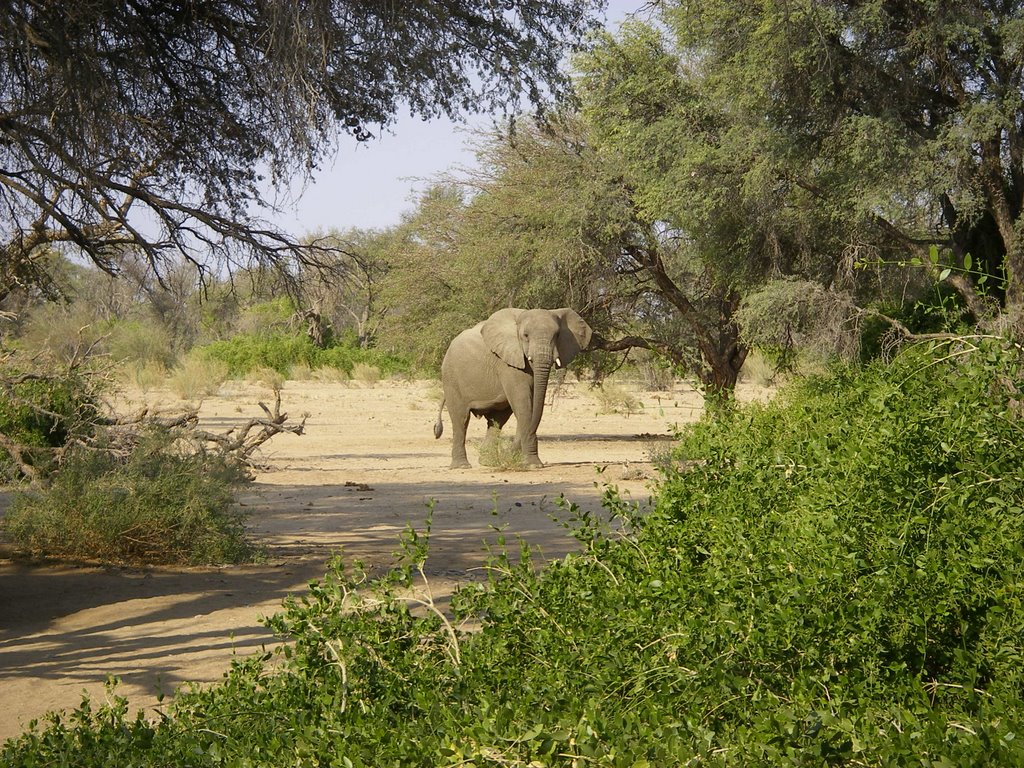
{"x":535,"y":340}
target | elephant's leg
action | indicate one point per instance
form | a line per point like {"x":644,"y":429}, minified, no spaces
{"x":460,"y":423}
{"x":522,"y":404}
{"x":528,"y":441}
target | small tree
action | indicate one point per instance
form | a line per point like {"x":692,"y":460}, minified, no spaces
{"x":345,"y":292}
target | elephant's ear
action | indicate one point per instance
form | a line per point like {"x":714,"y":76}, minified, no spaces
{"x":501,"y":333}
{"x":574,"y":336}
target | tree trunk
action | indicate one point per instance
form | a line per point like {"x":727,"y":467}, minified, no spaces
{"x":723,"y":354}
{"x":1005,"y":212}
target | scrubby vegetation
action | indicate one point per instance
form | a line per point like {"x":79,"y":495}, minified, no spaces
{"x":89,"y":484}
{"x":831,"y":579}
{"x":244,"y":353}
{"x":162,"y":502}
{"x":501,"y":452}
{"x":39,"y":414}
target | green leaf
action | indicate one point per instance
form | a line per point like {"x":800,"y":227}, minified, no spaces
{"x":944,"y":274}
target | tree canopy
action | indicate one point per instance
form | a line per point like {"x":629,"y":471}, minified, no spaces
{"x":750,"y":157}
{"x":151,"y":125}
{"x":898,"y":125}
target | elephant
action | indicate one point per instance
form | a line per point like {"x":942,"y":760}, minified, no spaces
{"x":501,"y":366}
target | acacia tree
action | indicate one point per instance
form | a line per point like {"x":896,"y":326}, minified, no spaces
{"x":427,"y":291}
{"x":150,"y":125}
{"x":344,"y":293}
{"x":547,"y":220}
{"x":899,"y":123}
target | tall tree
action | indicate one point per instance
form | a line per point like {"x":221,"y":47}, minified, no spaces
{"x":150,"y":124}
{"x":547,"y":220}
{"x":900,"y":122}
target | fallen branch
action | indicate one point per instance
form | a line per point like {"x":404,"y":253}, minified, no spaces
{"x":242,"y":442}
{"x":118,"y":435}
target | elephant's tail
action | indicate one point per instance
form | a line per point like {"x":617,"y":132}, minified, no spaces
{"x":439,"y":424}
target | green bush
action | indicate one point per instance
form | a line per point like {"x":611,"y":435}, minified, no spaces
{"x":42,"y":413}
{"x":140,"y":342}
{"x":246,"y":352}
{"x":833,"y":579}
{"x":161,"y":504}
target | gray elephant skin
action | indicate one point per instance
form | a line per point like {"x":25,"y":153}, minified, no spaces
{"x":501,"y":367}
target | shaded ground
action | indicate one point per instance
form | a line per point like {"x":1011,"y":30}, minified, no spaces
{"x":367,"y":466}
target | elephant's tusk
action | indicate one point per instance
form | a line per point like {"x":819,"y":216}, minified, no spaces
{"x":558,"y":363}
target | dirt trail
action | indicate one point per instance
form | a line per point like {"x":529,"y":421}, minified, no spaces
{"x":367,"y":466}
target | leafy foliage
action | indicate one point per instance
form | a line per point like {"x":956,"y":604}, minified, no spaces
{"x":871,"y":130}
{"x":244,"y":353}
{"x":39,"y":414}
{"x":161,"y":503}
{"x":833,"y":579}
{"x":784,"y":317}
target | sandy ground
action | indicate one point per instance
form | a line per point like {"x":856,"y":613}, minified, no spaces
{"x":367,"y":466}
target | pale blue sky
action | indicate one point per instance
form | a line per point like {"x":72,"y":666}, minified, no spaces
{"x":369,"y":185}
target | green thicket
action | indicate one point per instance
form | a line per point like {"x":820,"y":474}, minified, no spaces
{"x":281,"y":351}
{"x":158,"y":501}
{"x":92,"y":488}
{"x":39,"y":414}
{"x":832,"y":579}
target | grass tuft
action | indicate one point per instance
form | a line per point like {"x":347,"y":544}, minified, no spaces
{"x":501,"y":452}
{"x":197,"y":376}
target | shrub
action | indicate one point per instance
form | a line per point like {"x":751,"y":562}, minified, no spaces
{"x":367,"y":374}
{"x":144,"y":376}
{"x":161,"y":504}
{"x":267,"y":318}
{"x":268,"y":377}
{"x":615,"y":398}
{"x":242,"y":354}
{"x":330,"y":375}
{"x":281,"y":352}
{"x":856,"y":553}
{"x":300,"y":372}
{"x":141,"y":342}
{"x":65,"y":331}
{"x":40,"y":410}
{"x":197,"y":376}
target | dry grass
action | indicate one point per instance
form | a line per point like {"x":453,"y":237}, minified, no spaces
{"x":300,"y":372}
{"x":330,"y":375}
{"x":197,"y":377}
{"x":501,"y":452}
{"x":268,"y":377}
{"x":145,"y":375}
{"x":615,"y":398}
{"x":365,"y":374}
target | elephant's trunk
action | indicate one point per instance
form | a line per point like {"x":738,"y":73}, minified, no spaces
{"x":541,"y":372}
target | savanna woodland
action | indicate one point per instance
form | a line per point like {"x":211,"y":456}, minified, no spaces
{"x":834,"y":578}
